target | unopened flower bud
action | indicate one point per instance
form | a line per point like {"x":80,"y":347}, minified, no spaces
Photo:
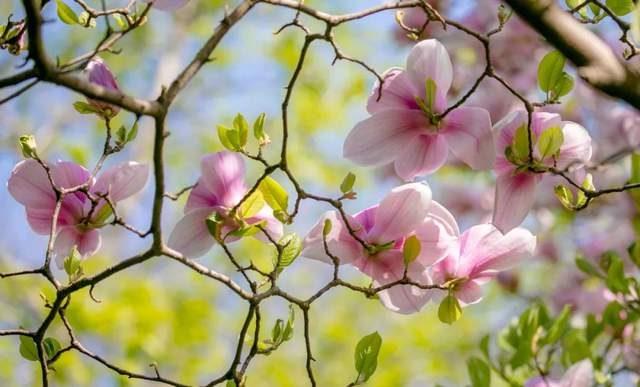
{"x":28,"y":146}
{"x":97,"y":72}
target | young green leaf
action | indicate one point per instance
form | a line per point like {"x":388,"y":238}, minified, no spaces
{"x":291,"y":248}
{"x":411,"y":249}
{"x":252,"y":205}
{"x":550,"y":142}
{"x":559,"y":326}
{"x":51,"y":347}
{"x":133,"y":132}
{"x":84,"y":108}
{"x":564,"y":195}
{"x":366,"y":357}
{"x":620,"y":7}
{"x":241,"y":126}
{"x":347,"y":183}
{"x":28,"y":349}
{"x":479,"y":372}
{"x":430,"y":94}
{"x":228,"y":138}
{"x":616,"y":279}
{"x":66,"y":14}
{"x":562,"y":88}
{"x":274,"y":194}
{"x":449,"y":310}
{"x":520,"y":145}
{"x":258,"y":130}
{"x":326,"y":228}
{"x":28,"y":146}
{"x":550,"y":70}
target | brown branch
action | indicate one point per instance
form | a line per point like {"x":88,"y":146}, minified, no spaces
{"x":594,"y":60}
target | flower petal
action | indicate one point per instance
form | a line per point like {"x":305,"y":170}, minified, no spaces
{"x":398,"y":92}
{"x":30,"y":186}
{"x":339,"y":242}
{"x":404,"y":299}
{"x":469,"y":293}
{"x":578,"y":375}
{"x":515,"y":195}
{"x":273,"y":226}
{"x":422,"y":156}
{"x":436,"y":235}
{"x":122,"y":180}
{"x":468,"y":134}
{"x":576,"y":147}
{"x":223,"y":175}
{"x":200,"y":197}
{"x":430,"y":60}
{"x":87,"y":243}
{"x":401,"y":212}
{"x":382,"y":137}
{"x":190,"y":235}
{"x":485,"y":250}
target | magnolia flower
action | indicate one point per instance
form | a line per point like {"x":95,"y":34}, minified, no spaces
{"x":78,"y":222}
{"x":97,"y":72}
{"x":406,"y":211}
{"x":218,"y":191}
{"x":167,"y":5}
{"x":515,"y":185}
{"x":578,"y":375}
{"x":405,"y":126}
{"x":480,"y":254}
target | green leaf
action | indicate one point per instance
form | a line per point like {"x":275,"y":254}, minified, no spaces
{"x":574,"y":3}
{"x":85,"y":108}
{"x":66,"y":14}
{"x":121,"y":135}
{"x":479,"y":372}
{"x":581,"y":197}
{"x":258,"y":129}
{"x":242,"y":128}
{"x":595,"y":9}
{"x":231,"y":383}
{"x":28,"y":348}
{"x":291,"y":248}
{"x":550,"y":142}
{"x":133,"y":132}
{"x":520,"y":145}
{"x":559,"y":326}
{"x":616,"y":280}
{"x":366,"y":356}
{"x":28,"y":146}
{"x":593,"y":328}
{"x":586,"y":267}
{"x":411,"y":249}
{"x":73,"y":265}
{"x":326,"y":228}
{"x":228,"y":138}
{"x":214,"y":226}
{"x":550,"y":70}
{"x":564,"y":195}
{"x":484,"y":346}
{"x":252,"y":205}
{"x":274,"y":194}
{"x":120,"y":20}
{"x":563,"y":87}
{"x":449,"y":310}
{"x":620,"y":7}
{"x":430,"y":94}
{"x":634,"y":253}
{"x":51,"y":347}
{"x":347,"y":183}
{"x":576,"y":347}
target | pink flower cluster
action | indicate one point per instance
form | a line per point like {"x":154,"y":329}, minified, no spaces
{"x":465,"y":261}
{"x":81,"y":214}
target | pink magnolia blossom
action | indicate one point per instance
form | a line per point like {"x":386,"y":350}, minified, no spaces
{"x":99,"y":73}
{"x":516,"y":188}
{"x":405,"y":127}
{"x":578,"y":375}
{"x":168,"y":5}
{"x":77,"y":223}
{"x":406,"y":211}
{"x":481,"y":253}
{"x":220,"y":188}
